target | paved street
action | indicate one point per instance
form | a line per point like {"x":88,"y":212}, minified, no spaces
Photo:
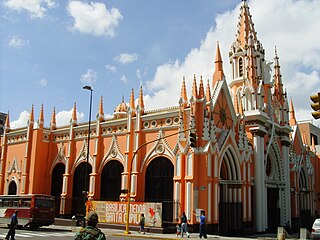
{"x":39,"y":234}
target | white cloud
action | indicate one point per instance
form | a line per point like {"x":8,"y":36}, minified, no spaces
{"x":36,"y":8}
{"x":22,"y":121}
{"x":43,"y":82}
{"x":63,"y":118}
{"x":89,"y":77}
{"x":125,"y":58}
{"x":111,"y":68}
{"x":123,"y":79}
{"x":94,"y":18}
{"x":17,"y":42}
{"x":291,"y":28}
{"x":141,"y":74}
{"x":138,"y":74}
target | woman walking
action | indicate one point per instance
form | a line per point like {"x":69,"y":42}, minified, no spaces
{"x":203,"y":225}
{"x":184,"y":225}
{"x":142,"y":223}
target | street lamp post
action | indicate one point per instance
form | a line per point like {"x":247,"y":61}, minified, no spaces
{"x":86,"y":185}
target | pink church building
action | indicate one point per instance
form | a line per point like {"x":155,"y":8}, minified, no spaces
{"x":252,"y":169}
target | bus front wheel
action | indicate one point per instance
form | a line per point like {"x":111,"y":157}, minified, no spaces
{"x":34,"y":226}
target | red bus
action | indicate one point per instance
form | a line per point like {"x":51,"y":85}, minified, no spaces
{"x":34,"y":210}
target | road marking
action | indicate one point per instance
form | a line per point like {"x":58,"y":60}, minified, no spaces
{"x":24,"y":236}
{"x":37,"y":234}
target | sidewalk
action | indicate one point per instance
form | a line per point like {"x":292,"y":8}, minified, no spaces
{"x":168,"y":236}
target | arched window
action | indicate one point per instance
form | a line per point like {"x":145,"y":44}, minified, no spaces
{"x":240,"y":67}
{"x":12,"y":188}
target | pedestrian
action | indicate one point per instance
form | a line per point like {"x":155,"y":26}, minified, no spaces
{"x":142,"y":223}
{"x":91,"y":231}
{"x":178,"y":230}
{"x":184,"y":225}
{"x":13,"y":225}
{"x":203,"y":225}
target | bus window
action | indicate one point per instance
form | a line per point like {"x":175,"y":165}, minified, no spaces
{"x":26,"y":203}
{"x":44,"y":203}
{"x":15,"y":203}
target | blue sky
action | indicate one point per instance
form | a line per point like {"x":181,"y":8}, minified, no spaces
{"x":50,"y":49}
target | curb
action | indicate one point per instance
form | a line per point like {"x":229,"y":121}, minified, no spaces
{"x":148,"y":236}
{"x":140,"y":236}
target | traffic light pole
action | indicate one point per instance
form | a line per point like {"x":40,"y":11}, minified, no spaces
{"x":130,"y":172}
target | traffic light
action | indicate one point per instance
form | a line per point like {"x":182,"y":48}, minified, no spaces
{"x":193,"y":139}
{"x":315,"y":105}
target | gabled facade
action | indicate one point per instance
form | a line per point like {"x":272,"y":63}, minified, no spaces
{"x":250,"y":169}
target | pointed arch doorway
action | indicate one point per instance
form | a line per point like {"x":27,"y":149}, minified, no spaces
{"x":79,"y":177}
{"x":159,"y":185}
{"x":56,"y":184}
{"x":273,"y":210}
{"x":230,"y":205}
{"x":304,"y":199}
{"x":111,"y":181}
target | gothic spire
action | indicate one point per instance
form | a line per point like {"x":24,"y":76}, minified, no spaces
{"x":208,"y":92}
{"x":141,"y":102}
{"x":201,"y":89}
{"x":31,"y":118}
{"x":7,"y":124}
{"x":194,"y":87}
{"x":183,"y":93}
{"x":41,"y":117}
{"x":101,"y":113}
{"x":218,"y":71}
{"x":292,"y":117}
{"x":53,"y":119}
{"x":74,"y":115}
{"x":278,"y":86}
{"x":245,"y":26}
{"x":131,"y":104}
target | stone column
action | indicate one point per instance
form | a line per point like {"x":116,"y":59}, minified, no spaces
{"x":286,"y":197}
{"x":259,"y":178}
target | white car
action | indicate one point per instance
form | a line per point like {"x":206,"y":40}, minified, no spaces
{"x":315,"y":232}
